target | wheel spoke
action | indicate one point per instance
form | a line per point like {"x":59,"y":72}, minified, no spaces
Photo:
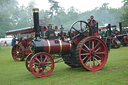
{"x":97,"y":49}
{"x":46,"y":70}
{"x":81,"y":25}
{"x":45,"y":59}
{"x":96,"y":45}
{"x":100,"y":53}
{"x":84,"y":50}
{"x":41,"y":57}
{"x":48,"y":66}
{"x":38,"y":70}
{"x":84,"y":58}
{"x":97,"y":60}
{"x":76,"y":30}
{"x":87,"y":60}
{"x":76,"y":36}
{"x":37,"y":59}
{"x":85,"y":54}
{"x":92,"y":44}
{"x":35,"y":63}
{"x":35,"y":67}
{"x":86,"y":46}
{"x":90,"y":63}
{"x":84,"y":30}
{"x":93,"y":62}
{"x":98,"y":56}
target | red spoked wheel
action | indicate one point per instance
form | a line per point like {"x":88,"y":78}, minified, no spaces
{"x":18,"y":52}
{"x":27,"y":62}
{"x":41,"y":64}
{"x":125,"y":42}
{"x":92,"y":53}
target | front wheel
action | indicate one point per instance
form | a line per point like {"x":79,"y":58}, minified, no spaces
{"x":27,"y":62}
{"x":42,"y":64}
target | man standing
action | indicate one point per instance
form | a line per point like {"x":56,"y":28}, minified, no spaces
{"x":93,"y":29}
{"x":13,"y":41}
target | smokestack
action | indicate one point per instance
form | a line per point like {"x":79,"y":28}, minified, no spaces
{"x":36,"y":22}
{"x":109,"y":43}
{"x":109,"y":27}
{"x":120,"y":26}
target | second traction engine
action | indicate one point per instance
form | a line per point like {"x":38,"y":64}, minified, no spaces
{"x":79,"y":50}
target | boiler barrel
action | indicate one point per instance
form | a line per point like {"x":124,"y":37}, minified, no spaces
{"x":57,"y":46}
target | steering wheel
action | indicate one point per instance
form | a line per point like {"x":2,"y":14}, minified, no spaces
{"x":79,"y":33}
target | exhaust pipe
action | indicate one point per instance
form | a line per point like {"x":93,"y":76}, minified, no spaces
{"x":120,"y":26}
{"x":36,"y":22}
{"x":109,"y":27}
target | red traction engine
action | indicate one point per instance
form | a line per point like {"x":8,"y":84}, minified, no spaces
{"x":123,"y":37}
{"x":22,"y":48}
{"x":80,"y":51}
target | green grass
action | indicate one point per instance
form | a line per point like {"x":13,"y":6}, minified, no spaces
{"x":115,"y":72}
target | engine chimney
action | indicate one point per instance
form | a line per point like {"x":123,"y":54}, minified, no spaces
{"x":109,"y":27}
{"x":120,"y":26}
{"x":36,"y":22}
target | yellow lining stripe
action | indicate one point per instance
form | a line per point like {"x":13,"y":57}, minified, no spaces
{"x":49,"y":46}
{"x":70,"y":45}
{"x":60,"y":46}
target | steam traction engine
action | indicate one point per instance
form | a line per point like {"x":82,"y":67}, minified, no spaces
{"x":115,"y":43}
{"x":81,"y":50}
{"x":22,"y":48}
{"x":123,"y":37}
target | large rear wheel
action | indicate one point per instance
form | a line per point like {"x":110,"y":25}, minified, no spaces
{"x":92,"y":53}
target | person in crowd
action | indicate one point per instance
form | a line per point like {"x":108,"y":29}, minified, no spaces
{"x":92,"y":29}
{"x":13,"y":41}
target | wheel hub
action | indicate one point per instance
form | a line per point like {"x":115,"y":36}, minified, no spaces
{"x":92,"y":53}
{"x":42,"y":65}
{"x":17,"y":52}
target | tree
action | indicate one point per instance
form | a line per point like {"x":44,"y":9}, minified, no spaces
{"x":8,"y":8}
{"x":125,"y":13}
{"x":23,"y":17}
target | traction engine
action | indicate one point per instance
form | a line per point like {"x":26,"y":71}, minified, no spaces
{"x":123,"y":37}
{"x":22,"y":48}
{"x":115,"y":43}
{"x":80,"y":50}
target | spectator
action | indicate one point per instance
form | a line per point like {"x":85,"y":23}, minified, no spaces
{"x":5,"y":43}
{"x":13,"y":41}
{"x":93,"y":29}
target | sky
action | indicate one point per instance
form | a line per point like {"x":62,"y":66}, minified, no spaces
{"x":81,"y":5}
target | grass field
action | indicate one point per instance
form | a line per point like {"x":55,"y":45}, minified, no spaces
{"x":115,"y":72}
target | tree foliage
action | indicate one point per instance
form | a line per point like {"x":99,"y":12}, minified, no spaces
{"x":103,"y":15}
{"x":125,"y":13}
{"x":8,"y":8}
{"x":13,"y":16}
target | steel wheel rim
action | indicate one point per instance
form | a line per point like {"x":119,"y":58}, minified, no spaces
{"x":95,"y":55}
{"x":27,"y":62}
{"x":17,"y":53}
{"x":41,"y":64}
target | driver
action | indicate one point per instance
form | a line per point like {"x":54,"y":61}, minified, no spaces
{"x":93,"y":29}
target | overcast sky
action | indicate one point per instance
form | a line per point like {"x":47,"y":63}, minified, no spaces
{"x":82,"y":5}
